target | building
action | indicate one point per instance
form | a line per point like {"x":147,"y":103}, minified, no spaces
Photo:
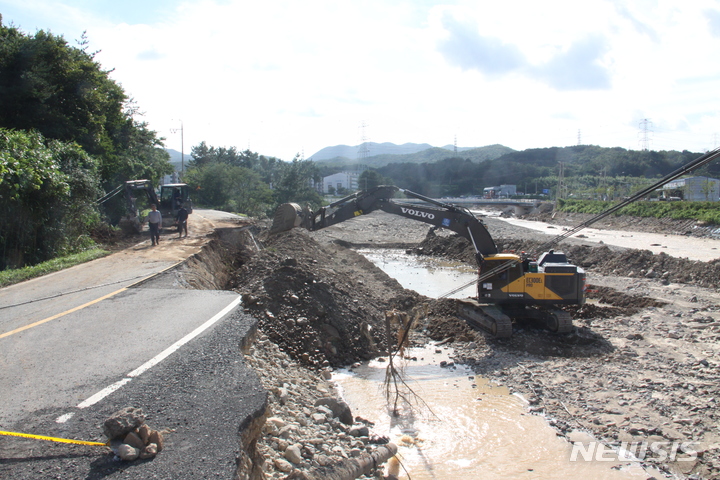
{"x":503,"y":191}
{"x":343,"y":180}
{"x":698,"y":189}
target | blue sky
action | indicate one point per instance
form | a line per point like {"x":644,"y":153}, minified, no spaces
{"x":284,"y":77}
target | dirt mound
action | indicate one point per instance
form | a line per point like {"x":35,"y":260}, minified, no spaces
{"x":444,"y":324}
{"x":452,"y":246}
{"x":600,"y":259}
{"x":323,"y":304}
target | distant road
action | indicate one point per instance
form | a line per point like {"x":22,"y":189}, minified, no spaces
{"x":681,"y":246}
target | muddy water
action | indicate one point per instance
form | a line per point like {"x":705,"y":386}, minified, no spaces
{"x":465,"y":428}
{"x":462,"y":427}
{"x":428,"y":276}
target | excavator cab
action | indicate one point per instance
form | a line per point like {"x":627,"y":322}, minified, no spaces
{"x":172,"y":197}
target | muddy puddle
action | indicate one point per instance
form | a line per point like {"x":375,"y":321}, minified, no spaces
{"x":428,"y":276}
{"x":462,"y":427}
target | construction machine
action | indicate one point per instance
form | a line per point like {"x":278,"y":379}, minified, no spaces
{"x":172,"y":197}
{"x":509,"y":286}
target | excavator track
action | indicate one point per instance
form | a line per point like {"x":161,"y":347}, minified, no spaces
{"x":559,"y":321}
{"x":486,"y":317}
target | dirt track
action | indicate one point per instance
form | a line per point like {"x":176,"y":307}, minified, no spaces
{"x":642,"y":364}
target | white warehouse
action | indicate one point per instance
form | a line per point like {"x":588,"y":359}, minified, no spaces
{"x":346,"y":180}
{"x":698,"y":189}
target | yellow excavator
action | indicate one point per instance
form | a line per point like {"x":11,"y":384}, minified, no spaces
{"x":509,"y":286}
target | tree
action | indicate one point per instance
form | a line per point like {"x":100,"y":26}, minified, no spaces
{"x":47,"y":198}
{"x":371,"y":179}
{"x":63,"y":93}
{"x":297,"y":183}
{"x":230,"y":188}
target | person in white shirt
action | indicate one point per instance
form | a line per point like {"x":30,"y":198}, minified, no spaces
{"x":155,"y":223}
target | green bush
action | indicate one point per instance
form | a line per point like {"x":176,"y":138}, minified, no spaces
{"x":701,"y":211}
{"x":47,"y":193}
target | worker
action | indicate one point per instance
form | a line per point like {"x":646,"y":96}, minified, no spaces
{"x":181,"y":220}
{"x":155,"y":223}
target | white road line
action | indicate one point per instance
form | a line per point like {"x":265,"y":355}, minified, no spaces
{"x":152,"y":362}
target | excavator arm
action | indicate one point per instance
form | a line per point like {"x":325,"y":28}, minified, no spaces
{"x":458,"y":219}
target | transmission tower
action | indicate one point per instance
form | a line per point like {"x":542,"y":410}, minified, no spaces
{"x":579,"y":137}
{"x":364,"y":152}
{"x":645,"y":133}
{"x":455,"y":143}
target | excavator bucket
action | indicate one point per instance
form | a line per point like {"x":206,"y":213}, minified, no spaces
{"x":287,"y":216}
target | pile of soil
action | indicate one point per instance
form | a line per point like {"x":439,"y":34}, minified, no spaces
{"x":323,"y":304}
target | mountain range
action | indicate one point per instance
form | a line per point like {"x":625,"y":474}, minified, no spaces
{"x":381,"y":154}
{"x":374,"y":149}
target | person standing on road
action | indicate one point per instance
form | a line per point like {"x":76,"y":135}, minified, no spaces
{"x":181,"y":220}
{"x":155,"y":224}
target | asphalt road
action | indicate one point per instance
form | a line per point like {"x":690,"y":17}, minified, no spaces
{"x":77,"y":345}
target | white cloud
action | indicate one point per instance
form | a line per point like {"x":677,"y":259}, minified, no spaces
{"x":282,"y":77}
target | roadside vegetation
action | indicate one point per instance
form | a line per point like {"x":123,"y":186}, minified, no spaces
{"x":708,"y":212}
{"x":17,"y":275}
{"x":67,"y":134}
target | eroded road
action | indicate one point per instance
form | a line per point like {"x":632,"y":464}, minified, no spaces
{"x":68,"y":335}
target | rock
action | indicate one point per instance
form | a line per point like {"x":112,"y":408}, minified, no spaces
{"x":150,"y":451}
{"x":157,"y":438}
{"x":286,"y":431}
{"x":283,"y":465}
{"x":340,"y":409}
{"x":144,"y":432}
{"x":293,"y":453}
{"x":282,"y":395}
{"x":278,"y":422}
{"x":359,"y":431}
{"x":123,"y":422}
{"x":318,"y":418}
{"x":127,"y":452}
{"x":134,"y":440}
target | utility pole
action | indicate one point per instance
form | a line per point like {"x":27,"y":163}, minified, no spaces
{"x":561,"y":182}
{"x":182,"y":147}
